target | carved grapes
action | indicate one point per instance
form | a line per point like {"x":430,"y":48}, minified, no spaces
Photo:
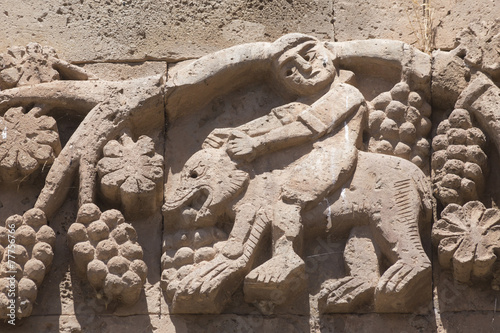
{"x":26,"y":258}
{"x":399,"y":125}
{"x":458,"y":162}
{"x":106,"y":252}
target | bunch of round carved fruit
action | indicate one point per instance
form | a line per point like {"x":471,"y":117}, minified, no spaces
{"x":458,"y":162}
{"x":184,"y":249}
{"x":106,"y":251}
{"x":26,"y":249}
{"x":399,"y":125}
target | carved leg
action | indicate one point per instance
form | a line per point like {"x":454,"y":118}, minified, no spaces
{"x":271,"y":283}
{"x":357,"y":288}
{"x":209,"y":287}
{"x":408,"y":281}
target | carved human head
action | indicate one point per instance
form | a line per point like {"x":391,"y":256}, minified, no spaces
{"x":303,"y":64}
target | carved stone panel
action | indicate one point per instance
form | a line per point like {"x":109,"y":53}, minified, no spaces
{"x":299,"y":178}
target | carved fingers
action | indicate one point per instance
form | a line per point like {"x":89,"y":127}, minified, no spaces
{"x":240,"y":145}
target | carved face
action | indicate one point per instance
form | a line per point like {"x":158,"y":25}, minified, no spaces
{"x":208,"y":180}
{"x":307,"y":68}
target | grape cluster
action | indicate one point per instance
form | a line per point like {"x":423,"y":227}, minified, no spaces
{"x":183,"y":250}
{"x":106,"y":251}
{"x":26,"y":250}
{"x":399,"y":125}
{"x":458,"y":162}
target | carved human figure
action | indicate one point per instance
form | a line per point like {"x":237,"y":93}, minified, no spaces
{"x":321,"y":106}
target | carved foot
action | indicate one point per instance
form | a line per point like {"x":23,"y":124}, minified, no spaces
{"x":209,"y":287}
{"x":344,"y":295}
{"x":403,"y":286}
{"x":272,"y":281}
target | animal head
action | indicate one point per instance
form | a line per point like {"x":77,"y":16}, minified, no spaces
{"x":208,"y":181}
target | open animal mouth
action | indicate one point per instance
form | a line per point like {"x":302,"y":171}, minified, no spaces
{"x":193,"y":203}
{"x":198,"y":199}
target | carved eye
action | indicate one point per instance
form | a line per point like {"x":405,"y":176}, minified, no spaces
{"x":289,"y":72}
{"x":193,"y":174}
{"x":307,"y":57}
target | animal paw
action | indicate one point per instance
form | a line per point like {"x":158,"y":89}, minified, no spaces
{"x":273,"y":280}
{"x":345,"y":294}
{"x":404,"y":286}
{"x":208,"y":287}
{"x":399,"y":275}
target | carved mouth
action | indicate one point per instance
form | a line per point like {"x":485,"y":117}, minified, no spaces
{"x":198,"y":200}
{"x":193,"y":203}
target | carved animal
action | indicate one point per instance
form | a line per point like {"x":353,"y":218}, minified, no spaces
{"x":386,"y":199}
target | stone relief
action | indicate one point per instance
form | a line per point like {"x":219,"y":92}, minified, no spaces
{"x":255,"y":155}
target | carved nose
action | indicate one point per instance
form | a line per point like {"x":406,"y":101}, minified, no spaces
{"x":305,"y":65}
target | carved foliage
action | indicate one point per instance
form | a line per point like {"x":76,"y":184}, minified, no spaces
{"x":467,"y":239}
{"x":33,"y":64}
{"x":26,"y":143}
{"x":131,"y":175}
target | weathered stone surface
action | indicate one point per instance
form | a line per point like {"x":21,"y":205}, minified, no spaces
{"x":296,"y":191}
{"x":125,"y":71}
{"x":140,"y":30}
{"x":356,"y":20}
{"x":452,"y":16}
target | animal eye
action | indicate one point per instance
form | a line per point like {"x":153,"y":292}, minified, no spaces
{"x":289,"y":72}
{"x":307,"y":57}
{"x":193,"y":174}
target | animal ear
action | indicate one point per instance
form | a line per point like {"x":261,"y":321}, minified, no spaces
{"x":216,"y":139}
{"x":237,"y":180}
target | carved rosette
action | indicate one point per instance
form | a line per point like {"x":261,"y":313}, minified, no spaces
{"x":467,"y":239}
{"x":458,"y":162}
{"x":131,"y":175}
{"x":399,"y":125}
{"x":21,"y":65}
{"x":106,"y":252}
{"x":26,"y":143}
{"x":26,"y":248}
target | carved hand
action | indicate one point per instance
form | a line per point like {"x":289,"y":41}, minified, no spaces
{"x":240,"y":145}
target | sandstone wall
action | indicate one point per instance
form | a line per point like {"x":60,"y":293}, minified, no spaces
{"x":130,"y":31}
{"x":128,"y":39}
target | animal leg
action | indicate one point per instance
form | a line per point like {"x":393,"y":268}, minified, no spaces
{"x":408,"y":281}
{"x":208,"y":288}
{"x":273,"y":281}
{"x":357,"y":288}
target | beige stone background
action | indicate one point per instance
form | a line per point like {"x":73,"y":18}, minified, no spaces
{"x":119,"y":39}
{"x":84,"y":31}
